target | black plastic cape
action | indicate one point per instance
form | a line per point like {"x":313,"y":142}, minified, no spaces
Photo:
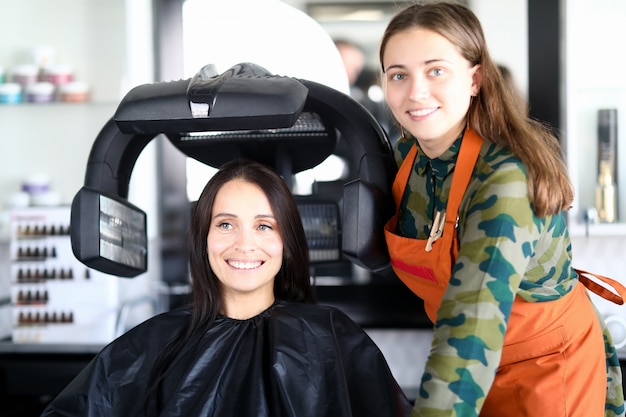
{"x":293,"y":360}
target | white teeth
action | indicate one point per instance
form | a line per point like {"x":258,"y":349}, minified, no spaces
{"x":421,"y":112}
{"x":244,"y":265}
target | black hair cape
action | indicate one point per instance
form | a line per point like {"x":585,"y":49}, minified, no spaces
{"x":294,"y":360}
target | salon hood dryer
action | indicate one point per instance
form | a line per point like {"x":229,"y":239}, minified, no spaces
{"x":246,"y":112}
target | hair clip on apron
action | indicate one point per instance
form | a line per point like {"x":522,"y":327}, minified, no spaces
{"x":436,"y":230}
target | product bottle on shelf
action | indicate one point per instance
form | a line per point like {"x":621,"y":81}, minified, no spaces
{"x":606,"y":189}
{"x":606,"y":195}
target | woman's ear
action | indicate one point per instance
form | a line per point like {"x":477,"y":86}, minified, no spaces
{"x":477,"y":78}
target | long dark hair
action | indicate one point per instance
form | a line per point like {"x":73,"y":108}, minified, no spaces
{"x":292,"y":283}
{"x":495,"y":113}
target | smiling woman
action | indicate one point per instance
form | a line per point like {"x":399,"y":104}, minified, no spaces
{"x":429,"y":85}
{"x":245,"y":248}
{"x":252,"y":343}
{"x":496,"y":275}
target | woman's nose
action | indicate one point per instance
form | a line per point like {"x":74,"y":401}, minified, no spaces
{"x":419,"y":89}
{"x":245,"y":241}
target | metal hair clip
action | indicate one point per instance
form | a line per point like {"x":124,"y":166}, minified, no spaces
{"x":436,"y":231}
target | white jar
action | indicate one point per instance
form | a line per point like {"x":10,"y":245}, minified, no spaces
{"x":74,"y":92}
{"x":40,"y":92}
{"x":10,"y":93}
{"x":58,"y":74}
{"x":25,"y":74}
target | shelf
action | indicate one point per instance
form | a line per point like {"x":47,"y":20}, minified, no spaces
{"x":56,"y":104}
{"x":7,"y":346}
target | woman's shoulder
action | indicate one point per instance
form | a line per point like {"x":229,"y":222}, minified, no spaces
{"x":316,"y":315}
{"x":155,"y":331}
{"x":165,"y":320}
{"x":496,"y":155}
{"x":295,"y":324}
{"x":497,"y":163}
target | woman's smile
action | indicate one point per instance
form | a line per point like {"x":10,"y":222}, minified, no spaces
{"x":428,"y":86}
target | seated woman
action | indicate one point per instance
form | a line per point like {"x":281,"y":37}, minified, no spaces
{"x":252,"y":343}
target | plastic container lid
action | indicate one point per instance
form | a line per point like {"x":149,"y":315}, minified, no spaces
{"x":74,"y":87}
{"x":58,"y":69}
{"x":25,"y":74}
{"x":19,"y":199}
{"x":36,"y":183}
{"x":42,"y":87}
{"x":10,"y":93}
{"x":40,"y":92}
{"x":47,"y":199}
{"x":10,"y":88}
{"x":74,"y":91}
{"x":57,"y":74}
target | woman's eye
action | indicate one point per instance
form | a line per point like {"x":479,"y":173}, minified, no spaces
{"x":224,"y":226}
{"x":265,"y":227}
{"x":436,"y":72}
{"x":396,"y":77}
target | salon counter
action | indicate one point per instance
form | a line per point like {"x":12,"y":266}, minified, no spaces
{"x":31,"y":374}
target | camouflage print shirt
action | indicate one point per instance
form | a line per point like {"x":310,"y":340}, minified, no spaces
{"x":505,"y":250}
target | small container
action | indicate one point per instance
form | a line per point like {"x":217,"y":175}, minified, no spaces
{"x":74,"y":92}
{"x":25,"y":74}
{"x":36,"y":184}
{"x":18,"y":199}
{"x":41,"y":92}
{"x":46,"y":199}
{"x":10,"y":93}
{"x":57,"y":74}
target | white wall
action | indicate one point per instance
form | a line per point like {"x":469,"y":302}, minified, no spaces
{"x":595,"y":79}
{"x":506,"y":30}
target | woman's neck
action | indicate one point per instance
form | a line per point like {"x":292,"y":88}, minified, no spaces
{"x":245,"y":306}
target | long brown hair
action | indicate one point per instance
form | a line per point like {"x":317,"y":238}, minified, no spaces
{"x":495,"y":113}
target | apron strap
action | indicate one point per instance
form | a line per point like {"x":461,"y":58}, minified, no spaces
{"x":466,"y":160}
{"x":601,"y":290}
{"x":402,"y":176}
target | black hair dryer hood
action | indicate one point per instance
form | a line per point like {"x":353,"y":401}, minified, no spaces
{"x":245,"y":112}
{"x":244,"y":97}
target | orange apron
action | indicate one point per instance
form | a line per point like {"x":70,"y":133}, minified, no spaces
{"x":553,"y":359}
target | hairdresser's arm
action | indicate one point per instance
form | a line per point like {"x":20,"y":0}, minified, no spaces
{"x":497,"y":232}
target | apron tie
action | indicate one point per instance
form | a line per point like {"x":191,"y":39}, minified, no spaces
{"x":601,"y":290}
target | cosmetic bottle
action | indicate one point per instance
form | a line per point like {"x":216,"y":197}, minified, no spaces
{"x":606,"y":188}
